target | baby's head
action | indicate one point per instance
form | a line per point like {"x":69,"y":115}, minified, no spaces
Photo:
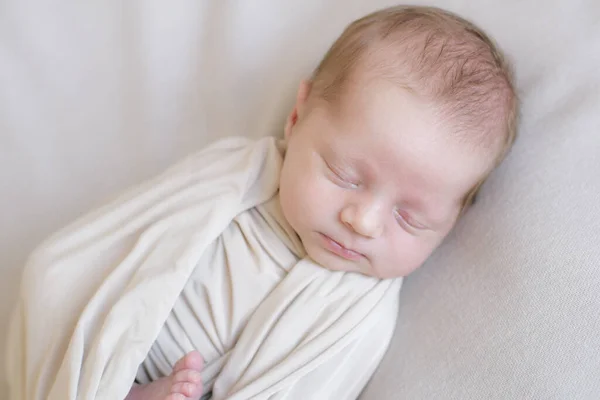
{"x":389,"y":141}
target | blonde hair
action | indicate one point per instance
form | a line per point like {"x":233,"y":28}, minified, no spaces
{"x":438,"y":56}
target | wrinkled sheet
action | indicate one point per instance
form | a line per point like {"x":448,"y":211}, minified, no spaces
{"x":95,"y":295}
{"x":96,"y":96}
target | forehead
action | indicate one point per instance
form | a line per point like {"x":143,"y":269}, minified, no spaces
{"x":397,"y":137}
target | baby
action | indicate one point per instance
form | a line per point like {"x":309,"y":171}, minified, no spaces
{"x":386,"y":146}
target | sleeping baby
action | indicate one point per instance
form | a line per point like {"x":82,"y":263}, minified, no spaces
{"x":385,"y":147}
{"x":293,"y":291}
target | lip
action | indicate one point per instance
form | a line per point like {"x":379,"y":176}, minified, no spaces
{"x":339,"y":250}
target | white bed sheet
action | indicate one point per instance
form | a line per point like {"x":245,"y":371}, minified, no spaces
{"x":96,"y":96}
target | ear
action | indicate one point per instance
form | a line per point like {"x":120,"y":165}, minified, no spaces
{"x":299,"y":108}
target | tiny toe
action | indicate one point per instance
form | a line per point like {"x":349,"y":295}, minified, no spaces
{"x":187,"y":375}
{"x":192,"y":360}
{"x":185,"y":388}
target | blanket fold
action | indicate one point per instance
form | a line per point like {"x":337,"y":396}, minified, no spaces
{"x":95,"y":296}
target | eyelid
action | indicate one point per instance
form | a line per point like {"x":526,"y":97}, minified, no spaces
{"x":407,"y":219}
{"x":339,"y":175}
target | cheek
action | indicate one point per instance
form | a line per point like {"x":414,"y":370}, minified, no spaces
{"x":311,"y":197}
{"x":405,"y":253}
{"x":306,"y":196}
{"x":296,"y":193}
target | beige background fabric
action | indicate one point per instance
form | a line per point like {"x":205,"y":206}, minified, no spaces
{"x":97,"y":96}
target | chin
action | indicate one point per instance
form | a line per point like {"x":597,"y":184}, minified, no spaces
{"x":324,"y":259}
{"x":334,"y":263}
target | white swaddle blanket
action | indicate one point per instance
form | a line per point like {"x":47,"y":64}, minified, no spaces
{"x":95,"y":297}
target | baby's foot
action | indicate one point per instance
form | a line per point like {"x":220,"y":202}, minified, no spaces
{"x":184,"y":383}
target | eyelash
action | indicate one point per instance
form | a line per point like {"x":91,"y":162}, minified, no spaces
{"x":342,"y":180}
{"x":407,"y":220}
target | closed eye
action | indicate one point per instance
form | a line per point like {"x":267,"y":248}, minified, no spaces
{"x":407,"y":220}
{"x":340,"y":178}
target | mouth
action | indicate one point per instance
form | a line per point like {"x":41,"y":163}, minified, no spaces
{"x":339,"y":250}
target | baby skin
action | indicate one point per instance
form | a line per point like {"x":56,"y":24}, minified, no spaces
{"x":378,"y":168}
{"x":184,"y":383}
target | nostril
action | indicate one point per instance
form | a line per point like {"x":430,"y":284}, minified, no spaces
{"x":346,"y":217}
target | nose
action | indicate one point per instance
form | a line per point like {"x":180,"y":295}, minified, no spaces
{"x":364,"y":218}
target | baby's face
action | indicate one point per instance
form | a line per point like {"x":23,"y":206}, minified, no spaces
{"x":375,"y":186}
